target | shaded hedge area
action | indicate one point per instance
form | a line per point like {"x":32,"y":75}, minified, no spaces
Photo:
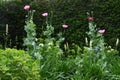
{"x":72,"y":12}
{"x":108,"y":17}
{"x":12,"y":13}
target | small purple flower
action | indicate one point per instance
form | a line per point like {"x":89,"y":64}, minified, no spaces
{"x":27,"y":7}
{"x":65,"y":26}
{"x":102,"y":31}
{"x":45,"y":14}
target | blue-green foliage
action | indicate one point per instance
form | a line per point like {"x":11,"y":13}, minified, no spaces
{"x":29,"y":41}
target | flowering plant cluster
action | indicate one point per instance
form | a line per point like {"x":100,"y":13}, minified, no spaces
{"x":96,"y":57}
{"x":53,"y":65}
{"x":49,"y":58}
{"x":63,"y":56}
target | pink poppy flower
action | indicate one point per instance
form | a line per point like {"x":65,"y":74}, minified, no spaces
{"x":27,"y":7}
{"x":102,"y":31}
{"x":45,"y":14}
{"x":65,"y":26}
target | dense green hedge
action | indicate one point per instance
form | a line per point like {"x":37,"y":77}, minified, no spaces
{"x":12,"y":13}
{"x":70,"y":12}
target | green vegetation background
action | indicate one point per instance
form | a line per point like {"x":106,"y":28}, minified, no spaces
{"x":106,"y":15}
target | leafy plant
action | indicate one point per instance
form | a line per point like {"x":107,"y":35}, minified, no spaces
{"x":17,"y":65}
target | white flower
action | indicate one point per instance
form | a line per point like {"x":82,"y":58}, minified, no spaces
{"x":36,"y":39}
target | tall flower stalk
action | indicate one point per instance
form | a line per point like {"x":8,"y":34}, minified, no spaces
{"x":92,"y":64}
{"x":97,"y":44}
{"x":96,"y":37}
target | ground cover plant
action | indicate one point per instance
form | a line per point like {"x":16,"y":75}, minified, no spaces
{"x":44,"y":59}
